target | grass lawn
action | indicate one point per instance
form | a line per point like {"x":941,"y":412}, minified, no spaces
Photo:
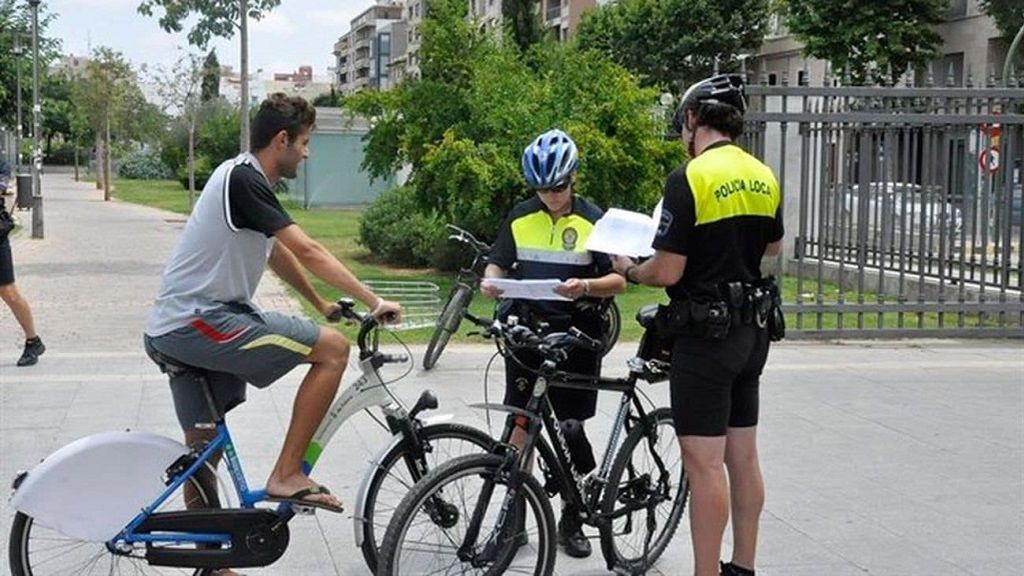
{"x":338,"y":230}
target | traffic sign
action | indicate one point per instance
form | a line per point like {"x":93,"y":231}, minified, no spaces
{"x":989,"y":159}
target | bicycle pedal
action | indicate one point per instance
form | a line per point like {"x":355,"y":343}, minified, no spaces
{"x":301,"y":510}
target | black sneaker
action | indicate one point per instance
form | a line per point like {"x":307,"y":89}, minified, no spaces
{"x":570,"y":535}
{"x":731,"y":569}
{"x":34,"y":348}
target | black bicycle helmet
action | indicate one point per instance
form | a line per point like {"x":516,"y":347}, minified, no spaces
{"x":727,"y":89}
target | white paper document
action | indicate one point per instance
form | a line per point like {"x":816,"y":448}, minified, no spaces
{"x":526,"y":289}
{"x":625,"y":233}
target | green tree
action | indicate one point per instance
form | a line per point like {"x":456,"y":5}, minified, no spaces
{"x":327,"y":99}
{"x":183,"y":88}
{"x":675,"y":42}
{"x":221,"y":18}
{"x":463,"y":137}
{"x":1008,"y":14}
{"x":16,"y":30}
{"x":103,"y":95}
{"x":522,"y":22}
{"x":211,"y":77}
{"x":870,"y":40}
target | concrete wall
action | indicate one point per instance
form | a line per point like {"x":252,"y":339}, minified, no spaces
{"x":331,"y":176}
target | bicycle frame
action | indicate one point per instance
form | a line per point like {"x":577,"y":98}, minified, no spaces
{"x":366,"y":391}
{"x":543,"y":414}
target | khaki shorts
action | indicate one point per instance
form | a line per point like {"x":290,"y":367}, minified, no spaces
{"x":234,"y":344}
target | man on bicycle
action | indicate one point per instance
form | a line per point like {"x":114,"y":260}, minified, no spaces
{"x":721,"y":214}
{"x":204,"y":315}
{"x":544,"y":238}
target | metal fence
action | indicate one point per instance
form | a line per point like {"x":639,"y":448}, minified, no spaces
{"x":903,"y":206}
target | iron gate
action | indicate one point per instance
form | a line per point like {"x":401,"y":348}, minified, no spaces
{"x":903,"y":206}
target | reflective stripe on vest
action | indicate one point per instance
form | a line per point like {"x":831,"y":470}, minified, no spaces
{"x":727,"y":182}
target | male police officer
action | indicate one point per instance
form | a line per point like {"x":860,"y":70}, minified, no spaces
{"x":544,"y":237}
{"x":720,"y":214}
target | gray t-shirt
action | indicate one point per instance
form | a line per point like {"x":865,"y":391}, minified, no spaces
{"x":223,"y":250}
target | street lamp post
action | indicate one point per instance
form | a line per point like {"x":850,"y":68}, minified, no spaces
{"x":18,"y":52}
{"x":37,"y":153}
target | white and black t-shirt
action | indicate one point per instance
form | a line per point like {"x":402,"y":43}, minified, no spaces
{"x":223,"y":251}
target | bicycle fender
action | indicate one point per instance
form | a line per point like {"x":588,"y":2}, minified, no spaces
{"x":93,"y":487}
{"x":359,"y":512}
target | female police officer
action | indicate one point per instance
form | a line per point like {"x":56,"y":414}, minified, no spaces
{"x":544,"y":238}
{"x":720,"y":215}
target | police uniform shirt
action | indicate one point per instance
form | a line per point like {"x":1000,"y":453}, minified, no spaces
{"x":532,"y":246}
{"x":721,"y":209}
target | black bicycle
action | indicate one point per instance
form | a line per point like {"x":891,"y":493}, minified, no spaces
{"x":465,"y":288}
{"x":500,"y":516}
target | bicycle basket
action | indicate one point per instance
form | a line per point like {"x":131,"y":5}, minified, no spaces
{"x":421,"y":301}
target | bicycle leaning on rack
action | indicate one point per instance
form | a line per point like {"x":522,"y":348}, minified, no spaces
{"x":467,"y":284}
{"x":501,"y":517}
{"x":116,"y":501}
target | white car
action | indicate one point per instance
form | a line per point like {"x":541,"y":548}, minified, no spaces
{"x":894,"y":211}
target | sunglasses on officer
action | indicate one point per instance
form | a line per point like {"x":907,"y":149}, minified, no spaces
{"x":556,"y":189}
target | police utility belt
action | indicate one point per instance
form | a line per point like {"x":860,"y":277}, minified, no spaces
{"x":758,"y":303}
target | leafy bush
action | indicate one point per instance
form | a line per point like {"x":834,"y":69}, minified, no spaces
{"x":61,"y":155}
{"x":204,"y":169}
{"x":143,"y":165}
{"x":216,"y":138}
{"x":395,"y":231}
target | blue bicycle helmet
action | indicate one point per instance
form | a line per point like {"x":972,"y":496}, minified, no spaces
{"x":550,"y":160}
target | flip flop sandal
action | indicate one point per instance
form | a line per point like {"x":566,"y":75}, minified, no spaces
{"x":300,"y":499}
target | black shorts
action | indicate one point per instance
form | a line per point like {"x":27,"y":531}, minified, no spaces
{"x":566,"y":402}
{"x":6,"y":261}
{"x":715,"y":383}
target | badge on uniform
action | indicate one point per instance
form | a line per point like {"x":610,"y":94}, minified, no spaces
{"x":569,"y":237}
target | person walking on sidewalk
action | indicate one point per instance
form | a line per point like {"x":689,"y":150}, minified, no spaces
{"x":721,"y":213}
{"x":12,"y":297}
{"x":204,"y":315}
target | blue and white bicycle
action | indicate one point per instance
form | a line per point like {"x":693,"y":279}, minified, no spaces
{"x":140,"y":503}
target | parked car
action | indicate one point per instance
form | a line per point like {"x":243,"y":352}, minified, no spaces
{"x":891,"y":211}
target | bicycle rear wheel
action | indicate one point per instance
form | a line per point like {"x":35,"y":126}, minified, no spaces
{"x":428,"y":532}
{"x":634,"y":541}
{"x":392,"y":478}
{"x":36,"y":550}
{"x":447,"y":324}
{"x":611,"y":326}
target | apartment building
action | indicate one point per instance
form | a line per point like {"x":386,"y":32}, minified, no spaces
{"x":972,"y":47}
{"x":361,"y":55}
{"x":401,"y":39}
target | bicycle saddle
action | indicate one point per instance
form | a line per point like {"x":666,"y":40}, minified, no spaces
{"x":173,"y":367}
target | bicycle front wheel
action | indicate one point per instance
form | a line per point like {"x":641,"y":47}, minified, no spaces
{"x":430,"y":530}
{"x":654,"y":495}
{"x":36,"y":550}
{"x":447,"y":324}
{"x":395,"y":475}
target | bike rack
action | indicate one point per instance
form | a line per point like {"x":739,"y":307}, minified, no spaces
{"x":421,"y":301}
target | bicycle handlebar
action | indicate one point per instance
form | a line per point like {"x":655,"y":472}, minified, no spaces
{"x":367,"y":323}
{"x":554,"y":346}
{"x":466,"y":237}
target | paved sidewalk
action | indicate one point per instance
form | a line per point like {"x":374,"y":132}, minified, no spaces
{"x":894,"y":459}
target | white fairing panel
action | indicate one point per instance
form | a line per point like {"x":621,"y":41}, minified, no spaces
{"x":92,"y":488}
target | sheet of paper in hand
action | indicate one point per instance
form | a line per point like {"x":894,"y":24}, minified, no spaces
{"x":526,"y":289}
{"x":624,"y":233}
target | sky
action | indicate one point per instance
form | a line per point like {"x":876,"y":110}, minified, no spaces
{"x":296,"y":33}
